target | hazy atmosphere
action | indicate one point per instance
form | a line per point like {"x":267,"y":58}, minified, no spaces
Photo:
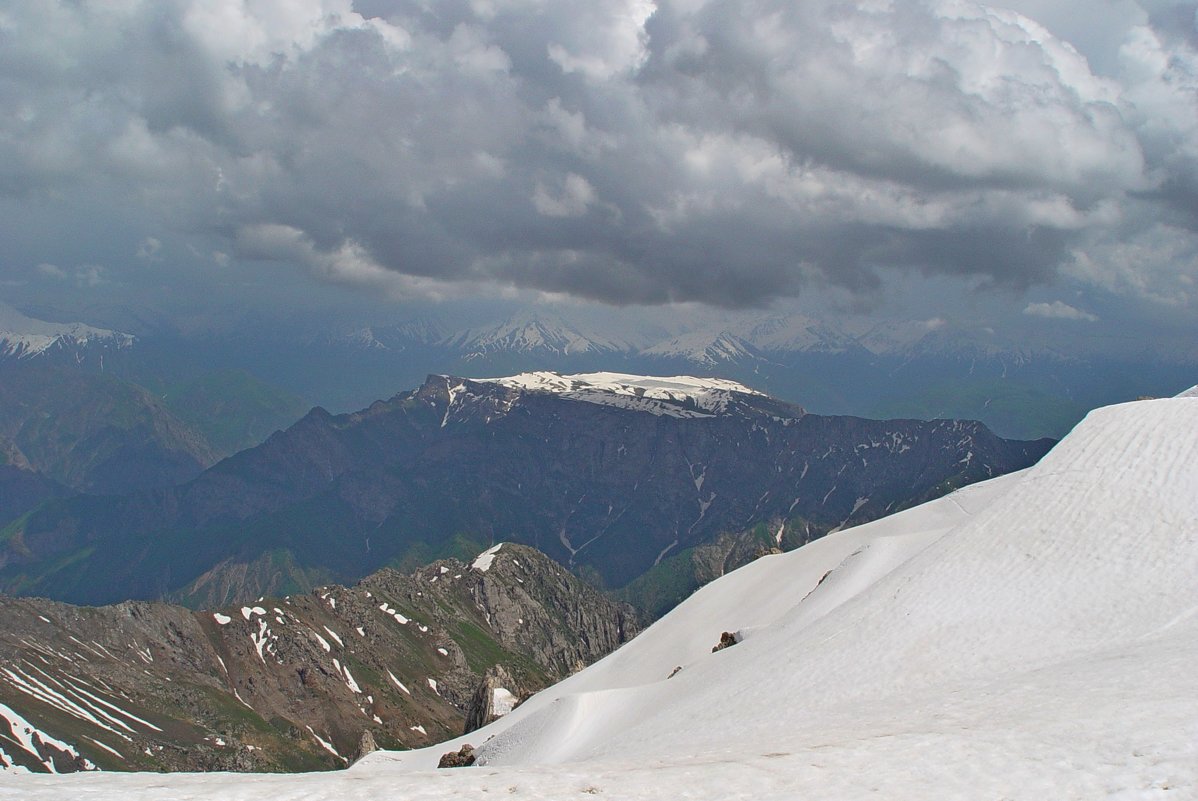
{"x":1022,"y":165}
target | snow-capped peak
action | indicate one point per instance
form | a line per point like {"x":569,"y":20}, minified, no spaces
{"x":533,"y":333}
{"x":24,"y":337}
{"x":676,"y":396}
{"x":703,"y":348}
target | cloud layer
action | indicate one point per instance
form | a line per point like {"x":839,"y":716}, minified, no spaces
{"x":1058,"y":310}
{"x":625,"y":151}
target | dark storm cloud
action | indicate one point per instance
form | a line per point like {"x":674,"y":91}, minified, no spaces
{"x":721,"y":152}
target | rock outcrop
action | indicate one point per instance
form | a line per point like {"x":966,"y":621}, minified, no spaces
{"x":492,"y":700}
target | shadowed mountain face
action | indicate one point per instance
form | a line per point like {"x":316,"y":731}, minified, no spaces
{"x":94,"y":432}
{"x":71,"y":428}
{"x":607,"y":481}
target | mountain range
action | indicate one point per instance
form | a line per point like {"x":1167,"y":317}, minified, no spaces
{"x":1031,"y":636}
{"x":609,"y":474}
{"x":75,"y":419}
{"x":831,"y":363}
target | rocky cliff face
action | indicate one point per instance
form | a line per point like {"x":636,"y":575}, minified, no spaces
{"x":609,"y":476}
{"x":298,"y":682}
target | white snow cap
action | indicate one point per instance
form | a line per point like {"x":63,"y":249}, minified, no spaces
{"x":1192,"y":392}
{"x":25,"y":336}
{"x":677,"y":396}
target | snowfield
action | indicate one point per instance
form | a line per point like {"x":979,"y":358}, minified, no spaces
{"x":1030,"y":637}
{"x":675,"y":396}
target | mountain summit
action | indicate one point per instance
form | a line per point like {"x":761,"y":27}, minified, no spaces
{"x":676,"y":396}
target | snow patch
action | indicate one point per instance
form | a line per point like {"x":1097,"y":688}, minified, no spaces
{"x":398,"y":683}
{"x":325,"y":744}
{"x":482,"y":563}
{"x":247,"y":611}
{"x":26,"y":736}
{"x":502,"y":701}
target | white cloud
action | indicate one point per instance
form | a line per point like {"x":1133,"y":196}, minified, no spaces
{"x":51,"y":271}
{"x":148,"y":249}
{"x":738,"y":151}
{"x":1058,"y":310}
{"x":572,"y":199}
{"x":90,"y":275}
{"x":348,"y":264}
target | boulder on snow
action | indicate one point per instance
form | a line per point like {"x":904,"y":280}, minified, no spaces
{"x":727,"y":640}
{"x":462,"y":758}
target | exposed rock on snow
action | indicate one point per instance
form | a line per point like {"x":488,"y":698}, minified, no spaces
{"x":462,"y":758}
{"x":727,"y":640}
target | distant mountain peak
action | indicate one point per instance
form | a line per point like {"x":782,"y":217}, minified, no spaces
{"x":704,"y":348}
{"x":533,"y":332}
{"x":24,"y":337}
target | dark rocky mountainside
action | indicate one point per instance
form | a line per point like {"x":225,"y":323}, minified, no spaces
{"x":609,"y":484}
{"x":294,"y":683}
{"x":94,"y":432}
{"x":70,"y":428}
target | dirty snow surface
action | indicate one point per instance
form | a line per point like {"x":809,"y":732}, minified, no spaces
{"x":1030,"y":637}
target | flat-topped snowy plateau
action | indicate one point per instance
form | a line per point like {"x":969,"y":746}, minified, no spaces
{"x":1029,"y":637}
{"x":676,"y":396}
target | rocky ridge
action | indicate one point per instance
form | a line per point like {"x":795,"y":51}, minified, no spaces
{"x":294,"y":683}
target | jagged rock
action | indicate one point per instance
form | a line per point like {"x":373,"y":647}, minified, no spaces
{"x":482,"y":709}
{"x":727,"y":640}
{"x":462,"y":758}
{"x":675,"y":672}
{"x":366,"y":745}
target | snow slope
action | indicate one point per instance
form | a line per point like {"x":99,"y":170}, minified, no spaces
{"x":1031,"y":637}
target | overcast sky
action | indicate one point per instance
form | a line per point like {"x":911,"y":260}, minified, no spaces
{"x":1035,"y":159}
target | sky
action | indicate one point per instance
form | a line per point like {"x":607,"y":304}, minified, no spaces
{"x":1033,"y":162}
